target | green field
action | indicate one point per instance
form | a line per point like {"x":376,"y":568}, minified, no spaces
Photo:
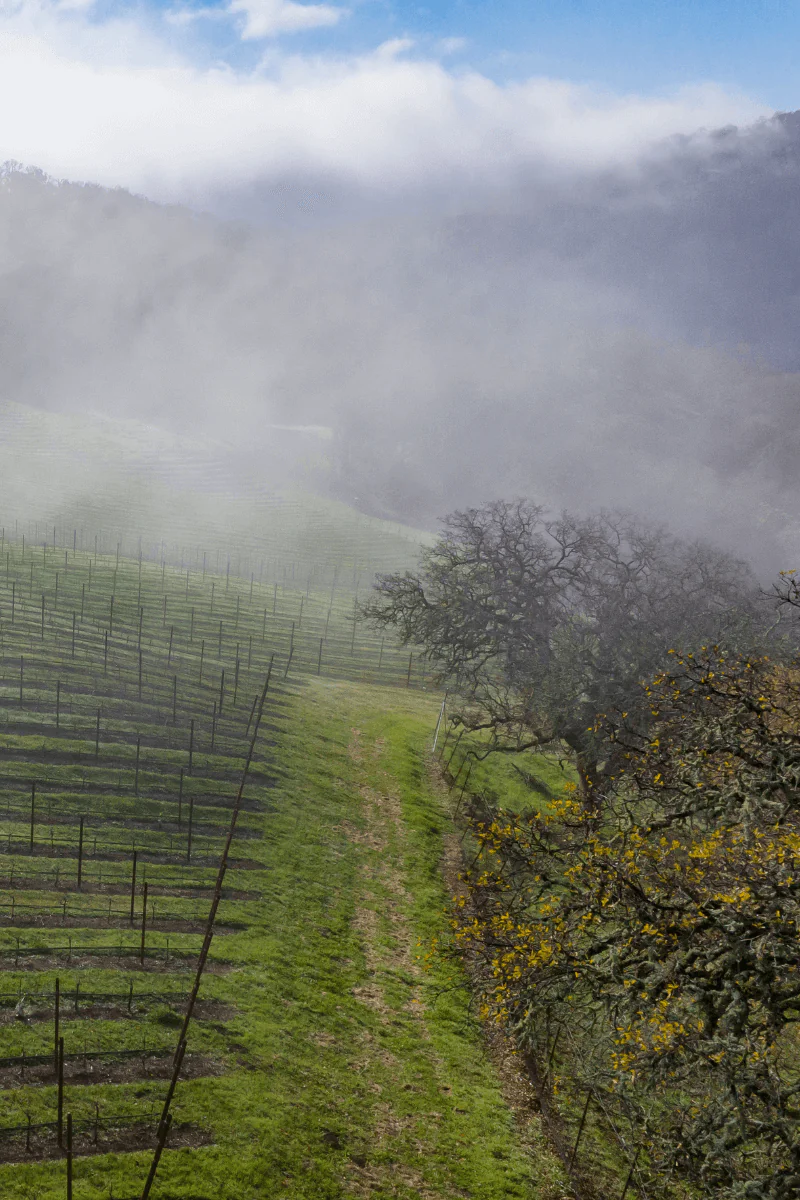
{"x":324,"y":1060}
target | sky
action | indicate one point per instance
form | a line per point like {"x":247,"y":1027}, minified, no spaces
{"x":184,"y":100}
{"x":500,"y":249}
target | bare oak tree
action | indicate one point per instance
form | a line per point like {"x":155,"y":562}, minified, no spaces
{"x":541,"y":623}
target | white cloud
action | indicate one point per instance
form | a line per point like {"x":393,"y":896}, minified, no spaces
{"x":185,"y":16}
{"x":111,"y":103}
{"x":265,"y":18}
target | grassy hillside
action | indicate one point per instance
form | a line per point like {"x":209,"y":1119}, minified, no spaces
{"x":98,"y":484}
{"x":323,"y":1061}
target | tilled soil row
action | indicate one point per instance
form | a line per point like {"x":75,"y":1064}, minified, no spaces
{"x":23,"y":920}
{"x":168,"y":858}
{"x":42,"y":1146}
{"x":29,"y":1012}
{"x":29,"y":883}
{"x":83,"y":1071}
{"x":178,"y":960}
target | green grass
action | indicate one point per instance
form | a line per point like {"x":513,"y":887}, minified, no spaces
{"x":343,"y":1068}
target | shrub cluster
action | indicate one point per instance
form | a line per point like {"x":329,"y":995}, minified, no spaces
{"x":659,"y":928}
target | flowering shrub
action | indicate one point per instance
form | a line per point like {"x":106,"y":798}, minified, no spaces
{"x":660,"y":928}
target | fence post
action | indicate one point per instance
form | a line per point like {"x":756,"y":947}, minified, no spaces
{"x":80,"y":854}
{"x":133,"y":884}
{"x":69,"y":1156}
{"x":163,"y":1132}
{"x":56,"y":1022}
{"x":60,"y":1094}
{"x":438,"y":724}
{"x":580,"y":1131}
{"x":630,"y":1173}
{"x":144,"y":924}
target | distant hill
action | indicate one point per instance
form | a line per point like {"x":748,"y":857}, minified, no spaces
{"x":144,"y":488}
{"x":609,"y":338}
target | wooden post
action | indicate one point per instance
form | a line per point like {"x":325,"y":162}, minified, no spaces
{"x":191,"y":744}
{"x":97,"y":736}
{"x":163,"y":1133}
{"x":189,"y":838}
{"x":223,"y":866}
{"x":169,"y":651}
{"x":580,"y":1131}
{"x":58,"y":703}
{"x":21,"y":678}
{"x":174,"y":699}
{"x":236,"y":681}
{"x":144,"y":924}
{"x":56,"y":1022}
{"x":60,"y":1093}
{"x":74,"y":622}
{"x":252,"y":714}
{"x":180,"y":799}
{"x":202,"y":655}
{"x":140,"y":674}
{"x":408,"y":676}
{"x":33,"y":810}
{"x":438,"y":724}
{"x":133,"y":884}
{"x":80,"y":854}
{"x":319,"y":659}
{"x":630,"y":1174}
{"x":136,"y":775}
{"x":221,"y":691}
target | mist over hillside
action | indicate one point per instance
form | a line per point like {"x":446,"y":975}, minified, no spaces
{"x":586,"y":337}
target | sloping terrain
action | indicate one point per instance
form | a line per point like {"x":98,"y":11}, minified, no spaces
{"x":323,"y":1060}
